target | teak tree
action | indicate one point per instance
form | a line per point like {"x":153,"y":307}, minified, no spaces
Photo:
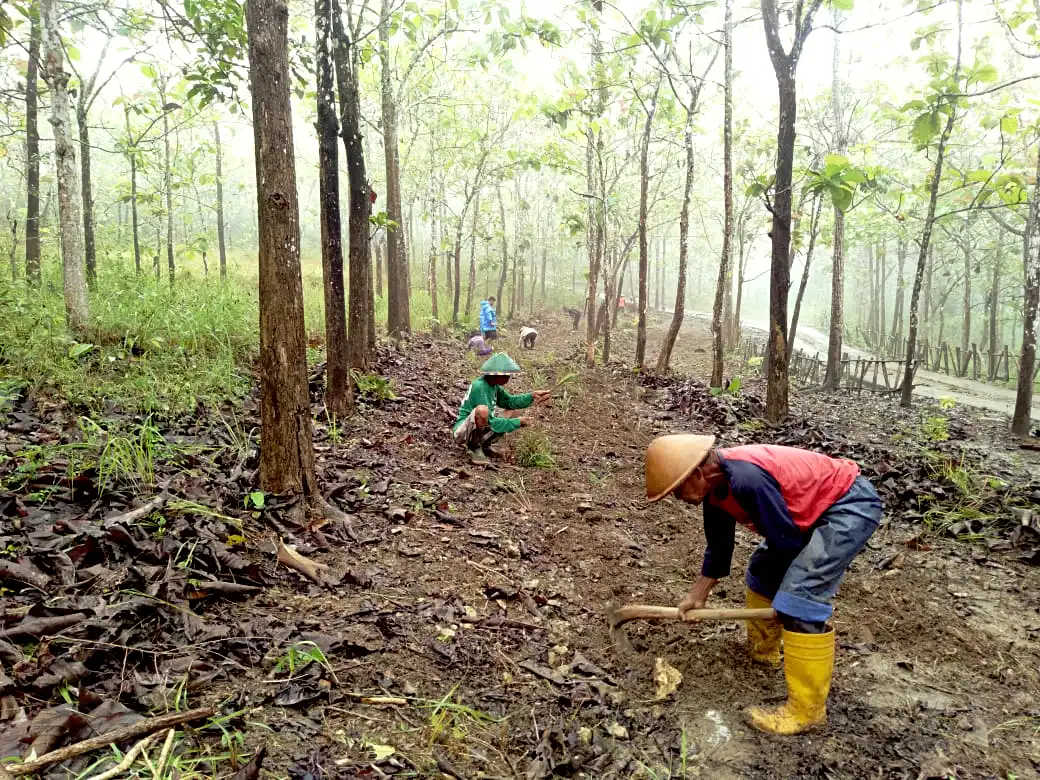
{"x":785,"y":66}
{"x":338,"y":391}
{"x":70,"y":216}
{"x":287,"y":452}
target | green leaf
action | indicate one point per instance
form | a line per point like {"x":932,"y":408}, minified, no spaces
{"x":842,"y":198}
{"x":79,"y":350}
{"x":1009,"y":124}
{"x":842,"y":5}
{"x":256,"y":499}
{"x":149,"y":71}
{"x":983,"y":74}
{"x":838,"y":160}
{"x":72,"y":52}
{"x":925,"y":128}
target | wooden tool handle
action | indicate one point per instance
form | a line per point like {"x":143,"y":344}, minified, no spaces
{"x":651,"y":612}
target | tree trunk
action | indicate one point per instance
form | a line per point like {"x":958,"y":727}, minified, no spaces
{"x":545,"y":260}
{"x":724,"y":281}
{"x":221,"y":243}
{"x":644,"y":249}
{"x":897,"y":312}
{"x":596,"y":206}
{"x":929,"y":302}
{"x":339,"y":399}
{"x":361,"y":309}
{"x":665,"y":356}
{"x":882,"y":256}
{"x":89,"y":245}
{"x":780,"y":269}
{"x":814,"y":229}
{"x":32,"y":157}
{"x":287,"y":452}
{"x":13,"y":255}
{"x":472,"y":256}
{"x":379,"y":249}
{"x":505,"y":250}
{"x":132,"y":154}
{"x":966,"y":311}
{"x":432,"y":277}
{"x":1022,"y":418}
{"x":994,"y":306}
{"x":836,"y":330}
{"x":167,"y":184}
{"x":741,"y":267}
{"x":906,"y":396}
{"x":77,"y":308}
{"x":398,"y":318}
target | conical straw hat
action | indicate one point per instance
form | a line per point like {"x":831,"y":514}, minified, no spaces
{"x":499,"y":365}
{"x":671,"y":459}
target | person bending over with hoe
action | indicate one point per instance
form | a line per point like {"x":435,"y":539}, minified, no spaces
{"x":816,"y":514}
{"x":477,"y":427}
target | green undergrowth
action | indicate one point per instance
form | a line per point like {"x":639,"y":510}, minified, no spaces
{"x":120,"y":453}
{"x":534,"y":450}
{"x":974,"y":505}
{"x":148,"y":348}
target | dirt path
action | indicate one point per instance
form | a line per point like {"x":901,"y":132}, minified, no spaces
{"x":469,"y":638}
{"x":499,"y":612}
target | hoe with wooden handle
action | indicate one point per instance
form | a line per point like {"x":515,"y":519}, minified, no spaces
{"x":623,"y":614}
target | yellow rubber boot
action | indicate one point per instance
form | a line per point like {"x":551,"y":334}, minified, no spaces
{"x":763,"y":635}
{"x":808,"y":666}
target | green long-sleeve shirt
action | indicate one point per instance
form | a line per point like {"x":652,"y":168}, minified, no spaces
{"x":480,"y":393}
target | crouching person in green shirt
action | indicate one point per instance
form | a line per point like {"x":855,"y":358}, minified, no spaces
{"x":477,"y":426}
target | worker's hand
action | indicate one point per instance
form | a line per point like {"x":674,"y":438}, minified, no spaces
{"x":697,"y":596}
{"x":541,"y":396}
{"x":525,"y":421}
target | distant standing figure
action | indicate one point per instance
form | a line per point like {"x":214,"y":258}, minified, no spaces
{"x":527,"y":337}
{"x":488,"y":319}
{"x":476,"y":344}
{"x":575,"y":316}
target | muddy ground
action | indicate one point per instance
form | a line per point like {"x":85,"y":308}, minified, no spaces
{"x":464,"y":634}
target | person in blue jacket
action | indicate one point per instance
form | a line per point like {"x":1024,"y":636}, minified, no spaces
{"x":488,"y":321}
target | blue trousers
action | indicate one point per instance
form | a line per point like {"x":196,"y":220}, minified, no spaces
{"x":803,"y":587}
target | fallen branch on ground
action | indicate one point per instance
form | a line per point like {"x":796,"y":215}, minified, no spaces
{"x":147,"y":726}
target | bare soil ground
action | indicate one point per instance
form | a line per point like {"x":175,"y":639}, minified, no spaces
{"x":465,"y":634}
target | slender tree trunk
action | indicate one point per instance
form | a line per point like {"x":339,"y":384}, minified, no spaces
{"x":89,"y":245}
{"x":361,"y":324}
{"x":339,"y":399}
{"x":32,"y":155}
{"x":432,"y":279}
{"x":906,"y":396}
{"x":665,"y":357}
{"x":882,"y":257}
{"x":897,"y":313}
{"x":379,"y":248}
{"x":994,"y":306}
{"x":724,"y":282}
{"x":814,"y":229}
{"x":221,"y":243}
{"x":167,"y":185}
{"x":742,"y":267}
{"x":287,"y":454}
{"x":966,"y":311}
{"x":780,"y":269}
{"x":1022,"y":418}
{"x":644,"y":249}
{"x":473,"y":255}
{"x":398,"y":308}
{"x":77,"y":308}
{"x":836,"y":331}
{"x":13,"y":254}
{"x":596,"y":206}
{"x":505,"y":250}
{"x":545,"y":260}
{"x":928,"y":325}
{"x":135,"y":224}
